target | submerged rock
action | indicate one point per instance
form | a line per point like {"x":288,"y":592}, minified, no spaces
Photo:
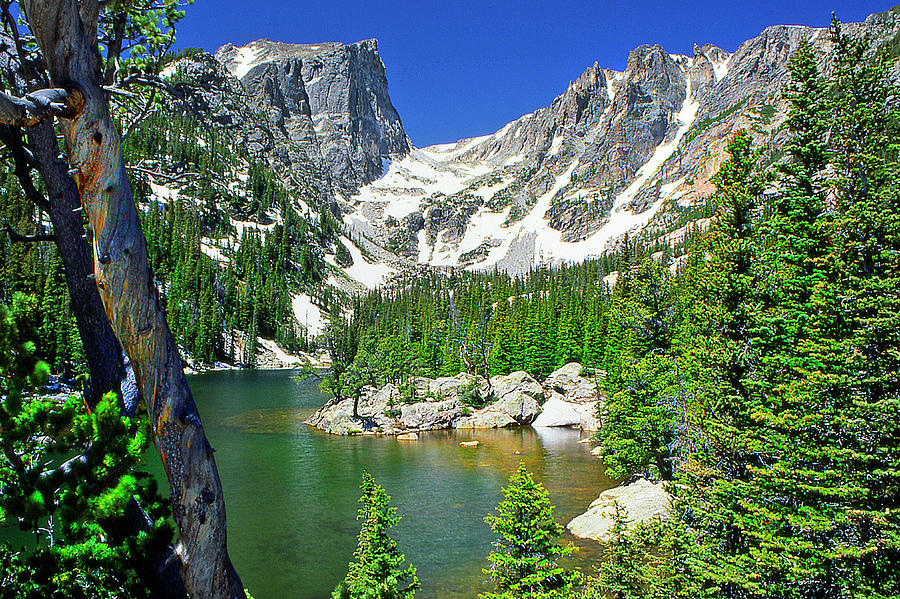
{"x":643,"y":500}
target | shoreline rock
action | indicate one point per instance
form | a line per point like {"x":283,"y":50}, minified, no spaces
{"x":643,"y":500}
{"x":516,"y":399}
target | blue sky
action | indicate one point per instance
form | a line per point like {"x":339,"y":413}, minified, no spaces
{"x":465,"y":68}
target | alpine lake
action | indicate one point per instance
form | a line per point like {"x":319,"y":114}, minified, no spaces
{"x":291,"y":490}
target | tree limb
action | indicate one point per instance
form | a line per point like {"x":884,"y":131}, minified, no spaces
{"x":17,"y":237}
{"x":39,"y":106}
{"x":178,"y":177}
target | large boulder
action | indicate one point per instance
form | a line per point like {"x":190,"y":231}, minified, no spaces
{"x":557,"y":412}
{"x":451,"y":387}
{"x":487,"y":418}
{"x":643,"y":500}
{"x":336,"y":417}
{"x":567,"y":381}
{"x":520,"y":406}
{"x":429,"y":415}
{"x":518,"y":382}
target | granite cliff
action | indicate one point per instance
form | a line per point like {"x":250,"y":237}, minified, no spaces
{"x":616,"y":153}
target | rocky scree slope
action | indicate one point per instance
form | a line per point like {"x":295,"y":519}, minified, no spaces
{"x":616,"y":153}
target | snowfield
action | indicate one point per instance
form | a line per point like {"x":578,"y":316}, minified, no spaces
{"x":307,"y":314}
{"x":247,"y":58}
{"x":420,"y":180}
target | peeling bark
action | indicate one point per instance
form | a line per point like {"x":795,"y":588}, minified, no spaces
{"x":130,"y":299}
{"x":159,"y":572}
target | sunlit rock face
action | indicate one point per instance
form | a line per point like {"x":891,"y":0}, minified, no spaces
{"x":329,"y":99}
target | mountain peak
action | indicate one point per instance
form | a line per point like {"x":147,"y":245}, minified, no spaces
{"x":240,"y":60}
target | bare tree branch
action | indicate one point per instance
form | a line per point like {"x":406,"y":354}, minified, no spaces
{"x":12,"y":137}
{"x":38,"y":106}
{"x":17,"y":237}
{"x":177,"y":177}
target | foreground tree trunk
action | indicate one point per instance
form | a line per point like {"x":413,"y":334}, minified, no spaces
{"x":160,"y":572}
{"x":122,"y":275}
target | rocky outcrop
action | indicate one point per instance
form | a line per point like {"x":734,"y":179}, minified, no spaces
{"x":616,"y":152}
{"x":574,"y":387}
{"x":330,"y":100}
{"x":559,"y":412}
{"x":438,"y":404}
{"x":572,"y":400}
{"x":206,"y":90}
{"x":515,"y":399}
{"x":643,"y":501}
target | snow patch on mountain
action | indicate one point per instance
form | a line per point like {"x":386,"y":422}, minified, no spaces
{"x":720,"y":68}
{"x":246,"y":58}
{"x":369,"y":275}
{"x":307,"y":314}
{"x":549,"y":245}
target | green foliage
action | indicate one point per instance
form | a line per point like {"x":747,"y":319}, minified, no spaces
{"x":639,"y":427}
{"x":36,"y":274}
{"x":646,"y":390}
{"x":433,"y":325}
{"x":793,"y":485}
{"x":377,"y":571}
{"x":217,"y":308}
{"x":149,"y":31}
{"x":525,"y":559}
{"x":63,"y":473}
{"x":470,"y":394}
{"x":644,"y":561}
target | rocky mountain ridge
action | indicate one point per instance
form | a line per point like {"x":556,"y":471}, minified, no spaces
{"x":617,"y":153}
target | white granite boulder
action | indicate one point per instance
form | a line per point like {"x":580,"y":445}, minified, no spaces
{"x":642,"y":499}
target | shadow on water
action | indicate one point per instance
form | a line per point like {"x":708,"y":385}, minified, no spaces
{"x":292,"y":491}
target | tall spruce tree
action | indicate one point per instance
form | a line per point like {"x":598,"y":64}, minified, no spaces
{"x":795,"y":490}
{"x":377,"y":570}
{"x":525,"y":561}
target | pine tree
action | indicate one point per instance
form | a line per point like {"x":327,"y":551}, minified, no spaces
{"x":63,"y":472}
{"x":638,"y":427}
{"x":623,"y":573}
{"x":377,"y":571}
{"x":525,"y":560}
{"x":793,"y":491}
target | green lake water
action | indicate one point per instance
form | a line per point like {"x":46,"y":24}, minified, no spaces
{"x":291,"y":491}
